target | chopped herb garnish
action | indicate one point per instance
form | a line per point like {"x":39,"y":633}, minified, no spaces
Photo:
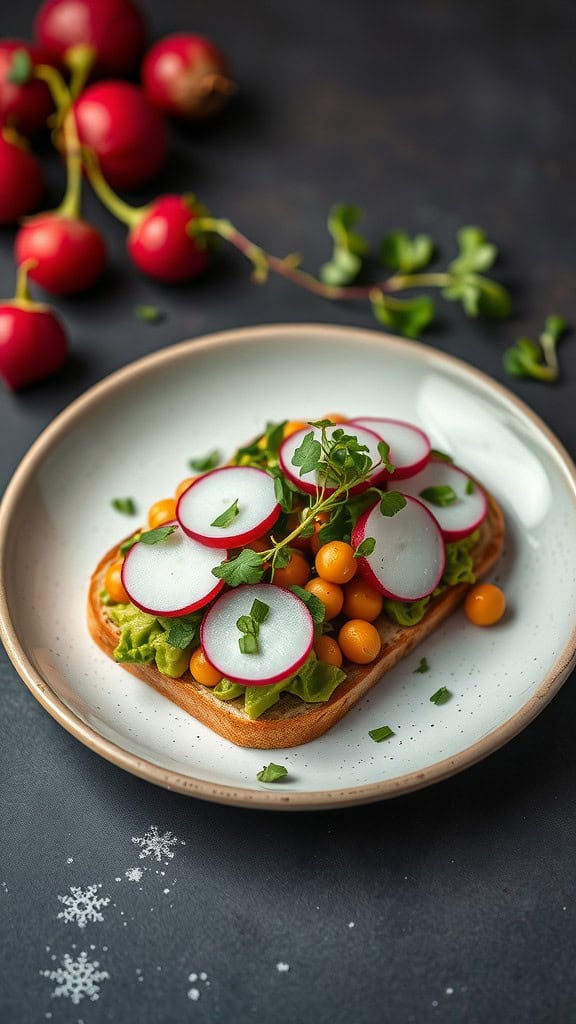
{"x":470,"y":486}
{"x":228,"y":516}
{"x":366,"y":547}
{"x":247,"y":567}
{"x":248,"y":644}
{"x":158,"y":535}
{"x":272,"y":773}
{"x":383,"y":733}
{"x":391,"y":503}
{"x":422,"y":666}
{"x":441,"y":495}
{"x":126,"y":506}
{"x":127,"y":544}
{"x":259,"y":611}
{"x":183,"y":633}
{"x":21,"y":68}
{"x":203,"y":463}
{"x":435,"y":453}
{"x":149,"y":314}
{"x":441,"y":696}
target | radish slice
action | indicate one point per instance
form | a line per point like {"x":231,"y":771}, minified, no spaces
{"x":408,"y":560}
{"x":284,"y":640}
{"x":214,"y":493}
{"x":465,"y":513}
{"x":173,"y":577}
{"x":309,"y":481}
{"x":410,"y":445}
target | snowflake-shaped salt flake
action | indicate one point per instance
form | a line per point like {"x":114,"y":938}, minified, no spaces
{"x":154,"y":845}
{"x":83,"y":905}
{"x":77,"y":979}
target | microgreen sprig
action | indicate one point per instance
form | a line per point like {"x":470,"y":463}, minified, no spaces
{"x":537,"y":361}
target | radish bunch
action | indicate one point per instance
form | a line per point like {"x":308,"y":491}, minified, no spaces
{"x":113,"y":129}
{"x":233,"y":522}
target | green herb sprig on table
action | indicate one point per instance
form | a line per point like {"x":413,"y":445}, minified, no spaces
{"x":537,"y":360}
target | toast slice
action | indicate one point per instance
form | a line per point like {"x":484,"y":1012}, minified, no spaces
{"x":291,"y":721}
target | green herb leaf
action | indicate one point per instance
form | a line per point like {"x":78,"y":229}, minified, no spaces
{"x":391,"y":503}
{"x":21,"y":68}
{"x":272,"y":773}
{"x":366,"y":547}
{"x":475,"y":253}
{"x":248,"y":644}
{"x":246,"y":624}
{"x":383,"y":733}
{"x":124,"y":505}
{"x":281,"y":558}
{"x":158,"y":535}
{"x":436,"y":454}
{"x":228,"y":516}
{"x":470,"y":486}
{"x":308,"y":455}
{"x":384,"y":453}
{"x":349,"y":246}
{"x":538,"y":362}
{"x":184,"y":632}
{"x":441,"y":696}
{"x":247,"y":567}
{"x":400,"y":252}
{"x":149,"y":314}
{"x":314,"y":605}
{"x":127,"y":544}
{"x":422,"y":666}
{"x":202,"y":464}
{"x":441,"y":495}
{"x":409,"y":317}
{"x":259,"y":611}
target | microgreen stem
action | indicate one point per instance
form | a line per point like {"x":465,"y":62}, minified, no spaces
{"x":57,"y":86}
{"x":126,"y":214}
{"x":80,"y":59}
{"x":287,"y":267}
{"x":22,"y":292}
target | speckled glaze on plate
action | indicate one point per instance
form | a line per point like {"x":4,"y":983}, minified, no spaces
{"x":133,"y":434}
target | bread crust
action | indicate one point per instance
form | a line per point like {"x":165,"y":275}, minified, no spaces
{"x":291,"y":721}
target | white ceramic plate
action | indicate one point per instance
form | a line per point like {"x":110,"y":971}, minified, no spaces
{"x":133,"y":433}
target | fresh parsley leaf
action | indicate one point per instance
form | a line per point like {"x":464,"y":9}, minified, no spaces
{"x":400,"y":252}
{"x":124,"y":505}
{"x":259,"y":611}
{"x":21,"y":68}
{"x":409,"y":317}
{"x":441,"y":495}
{"x":248,"y":644}
{"x":349,"y":246}
{"x":184,"y":632}
{"x":281,"y":558}
{"x":204,"y":463}
{"x":383,"y":733}
{"x":227,"y":517}
{"x":307,"y":456}
{"x":315,"y":606}
{"x":158,"y":535}
{"x":391,"y":503}
{"x":247,"y":567}
{"x":441,"y":696}
{"x":149,"y":314}
{"x":366,"y":547}
{"x":272,"y":773}
{"x":422,"y":666}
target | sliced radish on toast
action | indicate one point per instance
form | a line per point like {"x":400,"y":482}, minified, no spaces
{"x":172,"y":577}
{"x":284,"y":637}
{"x":408,"y":559}
{"x":310,"y":482}
{"x":240,"y":500}
{"x":409,"y":446}
{"x":455,"y":500}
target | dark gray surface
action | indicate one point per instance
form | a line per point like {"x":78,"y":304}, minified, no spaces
{"x":452,"y":904}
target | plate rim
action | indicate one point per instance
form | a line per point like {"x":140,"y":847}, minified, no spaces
{"x":218,"y":792}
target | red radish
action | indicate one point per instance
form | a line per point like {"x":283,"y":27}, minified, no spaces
{"x":309,"y":481}
{"x":25,"y":107}
{"x":33,"y":340}
{"x":69,"y":253}
{"x":115,"y":29}
{"x":284,"y":639}
{"x":467,"y":503}
{"x":187,"y":76}
{"x":21,"y":180}
{"x":409,"y":444}
{"x":215,"y":493}
{"x":128,"y":137}
{"x":171,"y":577}
{"x":408,"y":560}
{"x":160,"y":242}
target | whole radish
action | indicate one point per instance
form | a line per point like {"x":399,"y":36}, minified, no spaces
{"x":33,"y":340}
{"x":186,"y":76}
{"x":21,"y":180}
{"x":68,"y":253}
{"x":128,"y":137}
{"x":27,"y":106}
{"x":115,"y":30}
{"x":161,"y":243}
